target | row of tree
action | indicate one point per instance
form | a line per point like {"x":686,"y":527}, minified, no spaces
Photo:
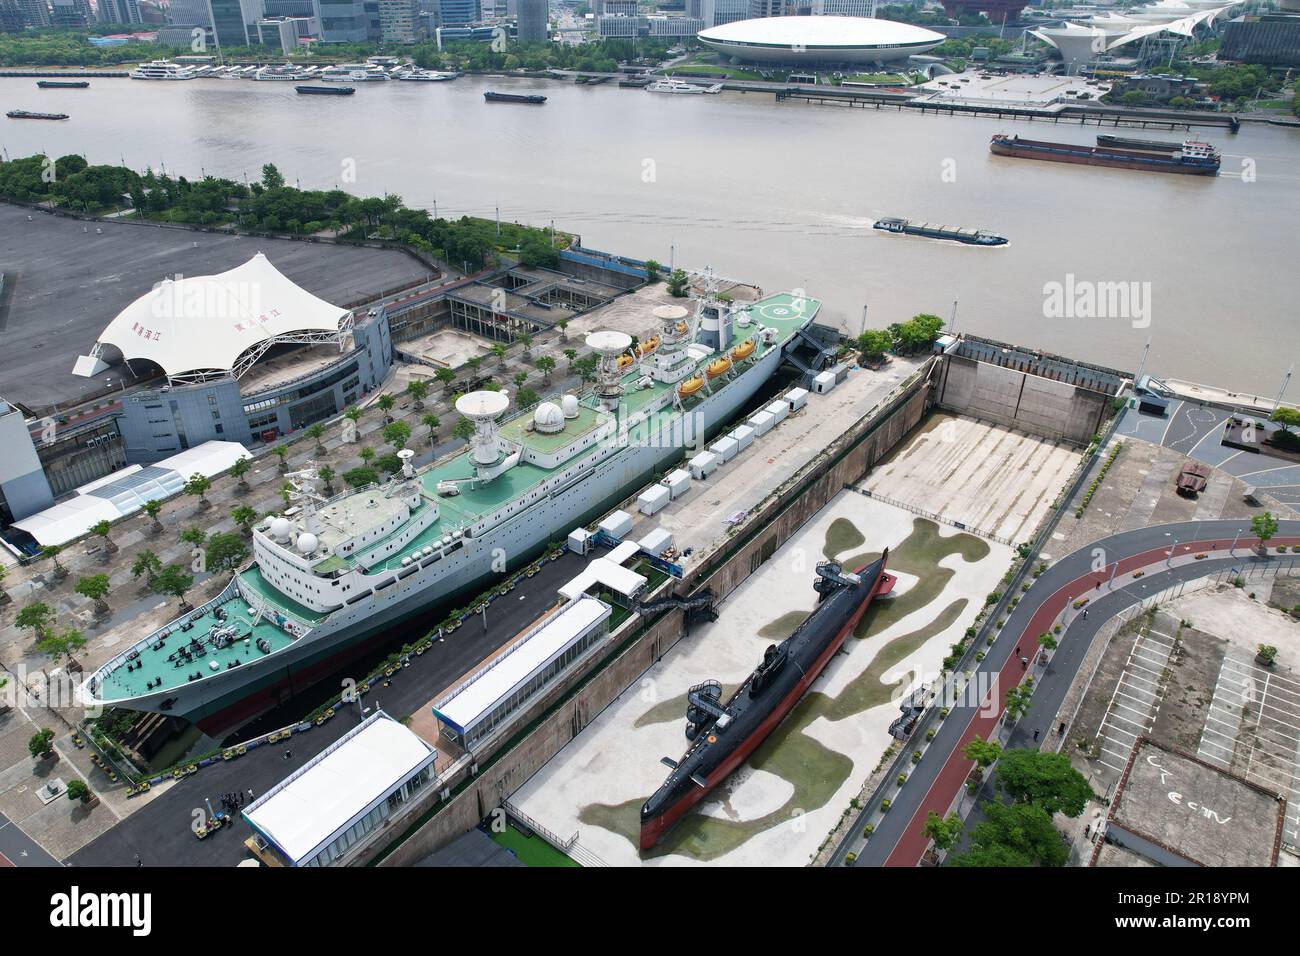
{"x":903,"y":338}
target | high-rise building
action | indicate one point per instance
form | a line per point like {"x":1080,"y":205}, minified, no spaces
{"x":71,"y":13}
{"x":11,"y":17}
{"x":767,"y":8}
{"x":189,"y":13}
{"x":228,"y":23}
{"x":342,"y":21}
{"x":36,"y":13}
{"x":1270,"y":39}
{"x":461,"y":12}
{"x":119,"y":11}
{"x":399,"y":21}
{"x":715,"y":13}
{"x":531,"y":25}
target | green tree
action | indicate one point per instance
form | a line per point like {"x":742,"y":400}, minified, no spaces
{"x":432,"y":422}
{"x":226,"y":551}
{"x":194,"y":536}
{"x":367,"y":454}
{"x":63,"y":645}
{"x":874,"y":343}
{"x":983,"y":752}
{"x":526,"y":341}
{"x":586,"y":368}
{"x":36,"y":617}
{"x":945,"y":832}
{"x":572,"y":356}
{"x":397,"y":434}
{"x":474,"y":363}
{"x":271,"y":177}
{"x":361,"y":476}
{"x":499,"y":351}
{"x":1045,"y":779}
{"x":1264,"y":527}
{"x":463,"y":429}
{"x":526,"y":397}
{"x":546,"y":365}
{"x":652,"y":268}
{"x":563,"y":326}
{"x":153,"y":508}
{"x":77,"y":790}
{"x":1287,"y":418}
{"x":175,"y":581}
{"x":386,"y":403}
{"x":101,"y":529}
{"x":239,"y":469}
{"x":678,"y":284}
{"x":327,"y":475}
{"x":147,"y":565}
{"x":519,"y":379}
{"x":282,"y":452}
{"x":1016,"y":835}
{"x":41,"y":743}
{"x":52,"y":551}
{"x":198,"y":486}
{"x":243,"y":516}
{"x":418,"y":389}
{"x":445,"y":376}
{"x":316,"y":432}
{"x":95,"y":587}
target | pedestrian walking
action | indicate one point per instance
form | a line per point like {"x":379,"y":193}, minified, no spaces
{"x":1024,"y":663}
{"x":1061,"y":729}
{"x":1035,"y":736}
{"x":1085,"y":614}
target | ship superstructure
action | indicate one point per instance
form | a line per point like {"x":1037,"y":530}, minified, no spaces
{"x":332,"y":572}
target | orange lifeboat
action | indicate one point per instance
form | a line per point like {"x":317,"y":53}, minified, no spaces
{"x":743,"y":351}
{"x":681,"y":328}
{"x":624,"y":361}
{"x":690,"y":386}
{"x":648,"y":346}
{"x":717,"y":367}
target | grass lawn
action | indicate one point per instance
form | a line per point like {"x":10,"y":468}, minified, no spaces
{"x":878,"y":78}
{"x":533,"y":851}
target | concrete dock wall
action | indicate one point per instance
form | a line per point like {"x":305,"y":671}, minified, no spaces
{"x":569,"y":707}
{"x":1018,"y":399}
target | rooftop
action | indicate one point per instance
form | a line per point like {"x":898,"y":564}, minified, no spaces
{"x":303,"y":812}
{"x":1197,"y":811}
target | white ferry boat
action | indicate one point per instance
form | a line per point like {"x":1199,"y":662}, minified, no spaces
{"x":672,"y":85}
{"x":282,"y":72}
{"x":353,"y":73}
{"x":162,"y":70}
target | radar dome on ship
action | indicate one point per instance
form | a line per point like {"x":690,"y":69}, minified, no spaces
{"x":570,"y":405}
{"x":306,"y":543}
{"x":280,"y":529}
{"x":548,"y":418}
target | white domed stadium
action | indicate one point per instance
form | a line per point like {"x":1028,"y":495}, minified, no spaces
{"x":819,"y":39}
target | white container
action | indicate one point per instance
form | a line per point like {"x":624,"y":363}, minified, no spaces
{"x":677,"y":482}
{"x":653,"y":500}
{"x":761,"y":422}
{"x":725,"y":448}
{"x":579,"y":540}
{"x":778,"y":410}
{"x":824,"y":382}
{"x":703,"y":465}
{"x":743,"y":436}
{"x":796,"y":398}
{"x":657,"y":542}
{"x":618,"y":525}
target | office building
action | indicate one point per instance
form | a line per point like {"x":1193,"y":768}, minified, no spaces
{"x":532,"y":24}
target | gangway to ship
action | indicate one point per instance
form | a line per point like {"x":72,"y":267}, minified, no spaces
{"x":698,"y":607}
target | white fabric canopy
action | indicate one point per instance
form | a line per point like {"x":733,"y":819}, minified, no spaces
{"x":207,"y":322}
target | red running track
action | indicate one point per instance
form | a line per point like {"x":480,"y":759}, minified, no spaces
{"x":952,"y":776}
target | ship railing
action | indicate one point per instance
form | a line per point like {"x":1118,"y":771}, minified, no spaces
{"x":228,"y":593}
{"x":569,"y":847}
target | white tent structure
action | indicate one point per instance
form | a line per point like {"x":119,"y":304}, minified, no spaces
{"x":205,"y":327}
{"x":125,"y":492}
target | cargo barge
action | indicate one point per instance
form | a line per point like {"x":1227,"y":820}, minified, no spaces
{"x":23,"y":114}
{"x":1148,"y":145}
{"x":63,"y":84}
{"x":929,"y":230}
{"x":723,"y":735}
{"x":1192,"y":157}
{"x":326,"y":90}
{"x":535,"y":98}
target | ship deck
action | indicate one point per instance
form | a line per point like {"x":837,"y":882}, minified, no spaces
{"x":784,"y":312}
{"x":123,"y":684}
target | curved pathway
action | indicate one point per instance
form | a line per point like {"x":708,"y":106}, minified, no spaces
{"x":941,"y":774}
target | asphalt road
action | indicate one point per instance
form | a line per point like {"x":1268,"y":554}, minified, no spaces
{"x":18,"y":849}
{"x":935,"y":781}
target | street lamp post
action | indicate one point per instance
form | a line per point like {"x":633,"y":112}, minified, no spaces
{"x":1234,"y":544}
{"x":1169,"y":562}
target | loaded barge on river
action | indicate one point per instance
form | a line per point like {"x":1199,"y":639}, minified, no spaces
{"x":1191,"y":158}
